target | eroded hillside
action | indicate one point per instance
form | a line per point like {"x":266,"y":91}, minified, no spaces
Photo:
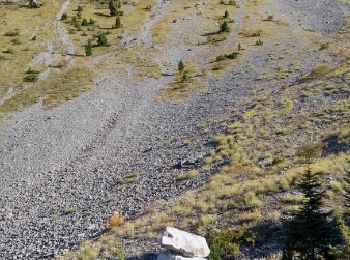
{"x":214,"y":145}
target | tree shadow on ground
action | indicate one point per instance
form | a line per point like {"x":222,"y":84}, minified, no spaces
{"x":332,"y":145}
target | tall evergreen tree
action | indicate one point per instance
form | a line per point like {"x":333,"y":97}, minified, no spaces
{"x":224,"y":27}
{"x":180,"y":66}
{"x":310,"y":233}
{"x":226,"y":15}
{"x":102,"y":39}
{"x":113,"y":9}
{"x":88,"y":48}
{"x":118,"y":23}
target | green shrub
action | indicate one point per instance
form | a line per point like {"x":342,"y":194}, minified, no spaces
{"x":118,"y":23}
{"x":113,"y":9}
{"x":88,"y":48}
{"x":259,"y":42}
{"x":225,"y":243}
{"x":84,"y":22}
{"x":309,"y":151}
{"x":64,"y":17}
{"x":31,"y":78}
{"x":224,"y":27}
{"x":102,"y":39}
{"x":226,"y":15}
{"x":180,"y":66}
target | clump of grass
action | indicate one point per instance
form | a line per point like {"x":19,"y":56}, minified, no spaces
{"x":187,"y":175}
{"x":206,"y":220}
{"x":344,"y":134}
{"x":336,"y":186}
{"x":292,"y":199}
{"x":248,"y":216}
{"x":309,"y":151}
{"x":320,"y":70}
{"x":31,"y":75}
{"x":115,"y":220}
{"x":71,"y":210}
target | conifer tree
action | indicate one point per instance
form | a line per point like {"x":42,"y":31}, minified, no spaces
{"x":118,"y":23}
{"x":84,"y":22}
{"x":88,"y":48}
{"x":310,"y":234}
{"x":224,"y":27}
{"x":226,"y":15}
{"x":113,"y":9}
{"x":180,"y":66}
{"x":102,"y":39}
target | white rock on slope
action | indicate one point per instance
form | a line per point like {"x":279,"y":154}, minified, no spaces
{"x":185,"y":243}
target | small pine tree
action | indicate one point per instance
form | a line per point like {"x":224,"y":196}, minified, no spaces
{"x":84,"y":22}
{"x":80,"y":8}
{"x":226,"y":15}
{"x":239,"y":46}
{"x":79,"y":14}
{"x":102,"y":39}
{"x":180,"y":66}
{"x":64,"y":17}
{"x":113,"y":9}
{"x":118,"y":23}
{"x":310,"y":234}
{"x":224,"y":27}
{"x":88,"y":48}
{"x":119,"y":5}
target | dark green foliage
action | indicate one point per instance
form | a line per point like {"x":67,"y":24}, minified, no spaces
{"x":88,"y":48}
{"x":180,"y":66}
{"x":224,"y":27}
{"x":259,"y":42}
{"x":225,"y":243}
{"x":33,"y":4}
{"x":80,"y":8}
{"x":226,"y":15}
{"x":119,"y":5}
{"x":32,"y":75}
{"x":113,"y":9}
{"x":84,"y":22}
{"x":102,"y":39}
{"x":91,"y":22}
{"x":118,"y":23}
{"x":310,"y":233}
{"x":64,"y":17}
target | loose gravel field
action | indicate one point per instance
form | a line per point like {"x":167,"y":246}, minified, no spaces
{"x":64,"y":170}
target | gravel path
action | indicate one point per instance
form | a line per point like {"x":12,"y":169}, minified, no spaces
{"x":63,"y":170}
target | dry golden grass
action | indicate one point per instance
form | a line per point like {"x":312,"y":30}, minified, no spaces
{"x":115,"y":220}
{"x":17,"y":50}
{"x":60,"y":86}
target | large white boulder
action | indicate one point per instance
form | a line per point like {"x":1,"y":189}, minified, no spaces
{"x":185,"y":243}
